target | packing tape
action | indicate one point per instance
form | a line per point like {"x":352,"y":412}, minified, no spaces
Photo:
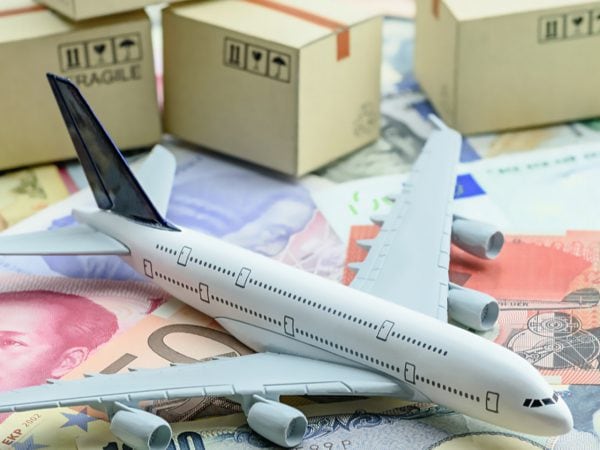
{"x":341,"y":30}
{"x":435,"y":8}
{"x":26,"y":9}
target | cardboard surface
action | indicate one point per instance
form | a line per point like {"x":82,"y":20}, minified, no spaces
{"x":110,"y":60}
{"x":507,"y":71}
{"x":283,"y":84}
{"x":86,"y":9}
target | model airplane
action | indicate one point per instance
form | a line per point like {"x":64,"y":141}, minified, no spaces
{"x":387,"y":334}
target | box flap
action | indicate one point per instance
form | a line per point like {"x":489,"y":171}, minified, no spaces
{"x":25,"y":19}
{"x":476,"y":9}
{"x":293,"y":23}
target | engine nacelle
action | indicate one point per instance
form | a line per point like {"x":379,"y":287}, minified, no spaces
{"x":279,"y":423}
{"x":472,"y":308}
{"x":140,"y":429}
{"x":477,"y":238}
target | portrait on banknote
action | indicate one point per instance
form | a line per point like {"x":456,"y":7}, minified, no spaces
{"x":49,"y":326}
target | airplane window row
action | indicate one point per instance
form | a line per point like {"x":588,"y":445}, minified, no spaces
{"x":418,"y":343}
{"x":449,"y":389}
{"x":314,"y":304}
{"x":246,"y":310}
{"x":176,"y":282}
{"x":536,"y":403}
{"x":348,"y":350}
{"x":198,"y":261}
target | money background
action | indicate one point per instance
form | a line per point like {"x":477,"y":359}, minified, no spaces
{"x":282,"y":221}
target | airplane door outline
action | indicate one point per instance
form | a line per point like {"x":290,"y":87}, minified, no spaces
{"x":288,"y":325}
{"x":184,"y":256}
{"x":242,"y":278}
{"x":409,"y":373}
{"x":204,"y":292}
{"x":148,"y":268}
{"x":491,"y":401}
{"x":384,"y":330}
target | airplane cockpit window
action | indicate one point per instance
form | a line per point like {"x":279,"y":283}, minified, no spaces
{"x":536,"y":403}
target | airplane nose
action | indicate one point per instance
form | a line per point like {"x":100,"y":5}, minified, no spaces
{"x":557,"y":419}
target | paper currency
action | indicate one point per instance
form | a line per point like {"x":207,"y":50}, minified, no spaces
{"x":238,"y":203}
{"x":25,"y":192}
{"x":367,"y":424}
{"x":354,"y":202}
{"x":49,"y":326}
{"x":548,"y":191}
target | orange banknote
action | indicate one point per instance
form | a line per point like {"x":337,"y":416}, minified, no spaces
{"x":547,"y":288}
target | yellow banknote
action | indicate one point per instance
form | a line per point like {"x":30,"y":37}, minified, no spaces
{"x":24,"y":192}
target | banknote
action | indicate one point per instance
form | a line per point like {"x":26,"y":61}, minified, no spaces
{"x":236,"y":202}
{"x":355,"y":202}
{"x":376,"y":423}
{"x":24,"y":192}
{"x":548,"y":191}
{"x":548,"y":291}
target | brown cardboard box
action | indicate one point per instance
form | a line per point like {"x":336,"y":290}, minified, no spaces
{"x":500,"y":64}
{"x":86,"y":9}
{"x":111,"y":60}
{"x":290,"y":84}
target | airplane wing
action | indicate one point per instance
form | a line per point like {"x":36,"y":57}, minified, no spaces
{"x":261,"y":373}
{"x":408,"y":261}
{"x":75,"y":240}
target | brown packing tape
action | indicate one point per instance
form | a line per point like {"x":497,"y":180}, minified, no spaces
{"x":341,"y":30}
{"x":435,"y":8}
{"x":27,"y":9}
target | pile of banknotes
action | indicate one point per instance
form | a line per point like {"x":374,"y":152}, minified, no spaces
{"x":82,"y":314}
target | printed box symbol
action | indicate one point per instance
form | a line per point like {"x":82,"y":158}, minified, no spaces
{"x":578,"y":24}
{"x":235,"y":53}
{"x":552,"y":28}
{"x":100,"y":52}
{"x":72,"y":56}
{"x":279,"y":66}
{"x":257,"y":59}
{"x":127,"y":48}
{"x":596,"y":21}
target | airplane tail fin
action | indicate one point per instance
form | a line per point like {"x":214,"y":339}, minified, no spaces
{"x":114,"y":186}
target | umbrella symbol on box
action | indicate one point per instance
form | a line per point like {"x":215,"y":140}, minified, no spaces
{"x":280,"y":63}
{"x":126,"y":44}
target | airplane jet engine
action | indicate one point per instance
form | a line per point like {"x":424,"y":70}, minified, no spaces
{"x":477,"y":238}
{"x":279,"y":423}
{"x":140,"y":430}
{"x":472,"y":308}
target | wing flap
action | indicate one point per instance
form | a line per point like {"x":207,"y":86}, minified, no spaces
{"x":263,"y":373}
{"x":77,"y":240}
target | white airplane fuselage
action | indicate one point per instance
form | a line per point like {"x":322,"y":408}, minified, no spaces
{"x":272,"y":307}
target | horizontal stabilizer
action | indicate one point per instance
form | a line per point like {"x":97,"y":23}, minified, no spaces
{"x":77,"y":240}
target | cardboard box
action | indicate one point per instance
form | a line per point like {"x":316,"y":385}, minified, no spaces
{"x":86,"y":9}
{"x":111,"y":61}
{"x":290,"y":85}
{"x":501,"y":64}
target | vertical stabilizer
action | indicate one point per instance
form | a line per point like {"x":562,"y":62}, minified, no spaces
{"x":114,"y":186}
